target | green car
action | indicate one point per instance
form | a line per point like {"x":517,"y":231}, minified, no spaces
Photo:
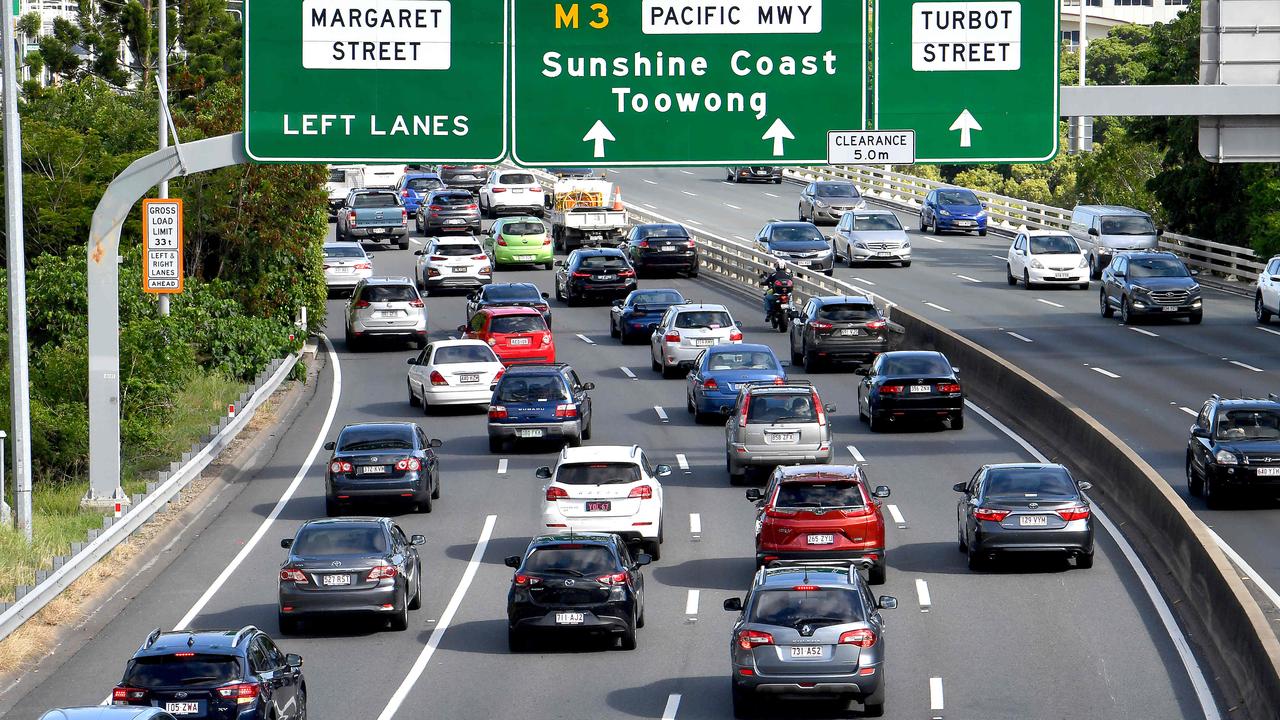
{"x":519,"y":241}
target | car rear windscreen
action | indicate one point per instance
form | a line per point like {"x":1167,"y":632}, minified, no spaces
{"x":590,"y":560}
{"x":321,"y":540}
{"x":376,"y":437}
{"x":850,"y":312}
{"x":1023,"y":482}
{"x":524,"y":228}
{"x":657,"y":297}
{"x":708,"y":319}
{"x":876,"y":222}
{"x":389,"y":293}
{"x":824,"y":606}
{"x":344,"y":251}
{"x":915,"y":366}
{"x":662,"y":231}
{"x":456,"y":354}
{"x":511,"y":293}
{"x":451,"y":199}
{"x":455,"y":250}
{"x":164,"y":671}
{"x":374,"y":200}
{"x":837,"y":494}
{"x":425,"y":184}
{"x":781,"y":407}
{"x":517,"y":324}
{"x":598,"y":474}
{"x":524,"y":389}
{"x":516,"y":179}
{"x":599,"y":262}
{"x":755,"y":360}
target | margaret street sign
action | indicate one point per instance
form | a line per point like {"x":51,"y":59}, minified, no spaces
{"x":371,"y":80}
{"x":684,"y":82}
{"x":976,"y":81}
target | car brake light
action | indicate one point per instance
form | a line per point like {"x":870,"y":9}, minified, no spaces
{"x":184,"y":654}
{"x":567,"y":410}
{"x":948,"y":388}
{"x":437,"y":378}
{"x":862,"y":637}
{"x":472,"y":206}
{"x":890,"y":389}
{"x":123,"y":694}
{"x":581,"y":274}
{"x":817,"y":404}
{"x":526,"y":580}
{"x":292,"y":574}
{"x":360,"y":304}
{"x":404,"y":216}
{"x":340,"y":466}
{"x":536,"y":188}
{"x":242,"y":693}
{"x":627,"y":273}
{"x":863,"y":511}
{"x":1078,"y":512}
{"x":876,"y":325}
{"x":779,"y":381}
{"x":692,"y":244}
{"x":619,"y":578}
{"x":546,"y":338}
{"x":410,"y":464}
{"x":382,"y":572}
{"x":546,"y":241}
{"x":479,"y":257}
{"x":671,"y":337}
{"x":746,"y":405}
{"x":748,"y":639}
{"x":364,"y":266}
{"x":416,"y":303}
{"x":498,"y":189}
{"x":498,"y":377}
{"x":351,"y":218}
{"x":990,"y":515}
{"x":821,"y":325}
{"x":735,"y":336}
{"x":502,"y":241}
{"x":439,"y":258}
{"x":710,"y":384}
{"x":436,"y":208}
{"x":806,"y":588}
{"x":643,"y":492}
{"x":557,"y":493}
{"x":643,"y":244}
{"x":497,"y":412}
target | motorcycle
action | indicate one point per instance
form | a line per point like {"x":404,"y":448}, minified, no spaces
{"x":779,"y":314}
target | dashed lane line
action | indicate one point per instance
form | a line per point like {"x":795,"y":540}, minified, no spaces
{"x":1148,"y":333}
{"x":853,"y":450}
{"x":651,"y":182}
{"x":771,"y":195}
{"x":922,"y":591}
{"x":586,"y":339}
{"x":936,"y":306}
{"x":682,"y":462}
{"x":966,"y":277}
{"x":502,"y":466}
{"x":1050,"y":303}
{"x":691,"y":603}
{"x":673,"y":700}
{"x":695,"y":525}
{"x":1108,"y":373}
{"x":935,"y":696}
{"x":896,"y":514}
{"x":735,"y":207}
{"x":627,"y":371}
{"x":1023,"y":338}
{"x":1190,"y":412}
{"x":686,"y":192}
{"x":864,"y":281}
{"x":662,"y":414}
{"x":1268,"y":330}
{"x":1246,"y":366}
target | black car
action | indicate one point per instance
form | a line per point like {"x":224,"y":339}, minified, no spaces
{"x":591,"y":273}
{"x":661,"y":246}
{"x":908,"y":384}
{"x":760,"y":173}
{"x":584,"y":582}
{"x":1146,"y":284}
{"x":467,"y":177}
{"x":215,"y":674}
{"x":350,"y":565}
{"x":382,"y":461}
{"x":797,"y":242}
{"x":838,"y":327}
{"x":1234,"y":446}
{"x":630,"y":318}
{"x":448,"y":210}
{"x":509,"y":295}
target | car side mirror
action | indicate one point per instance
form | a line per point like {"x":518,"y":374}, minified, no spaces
{"x":1200,"y":432}
{"x":558,"y":263}
{"x":881,"y":491}
{"x":754,"y":495}
{"x":955,"y":369}
{"x":1121,"y":274}
{"x":545,"y":296}
{"x":462,"y":328}
{"x":419,"y":252}
{"x":887,"y":602}
{"x":286,"y":543}
{"x":829,"y":408}
{"x":1093,"y":232}
{"x":793,"y":314}
{"x":862,"y":370}
{"x":643,"y":559}
{"x":435,"y":443}
{"x":512,"y":561}
{"x":412,"y":361}
{"x":293,"y":660}
{"x":663,"y":470}
{"x":1085,"y":486}
{"x":588,"y":386}
{"x":1194,"y":272}
{"x":617,"y":303}
{"x":473,"y":296}
{"x":961,"y":487}
{"x":329,"y":445}
{"x":417,"y":539}
{"x":1159,"y":232}
{"x":653,"y":326}
{"x":733,"y":604}
{"x":542,"y":473}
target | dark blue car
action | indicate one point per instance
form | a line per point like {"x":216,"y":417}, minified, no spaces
{"x":630,"y":319}
{"x":722,"y":369}
{"x":953,"y":209}
{"x":413,"y":187}
{"x":546,"y":401}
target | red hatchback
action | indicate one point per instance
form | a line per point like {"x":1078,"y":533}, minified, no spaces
{"x":820,"y":512}
{"x":516,"y":334}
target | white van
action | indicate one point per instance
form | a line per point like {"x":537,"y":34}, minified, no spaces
{"x":1104,"y":230}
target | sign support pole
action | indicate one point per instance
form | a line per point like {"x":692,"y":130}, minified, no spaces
{"x":162,"y":86}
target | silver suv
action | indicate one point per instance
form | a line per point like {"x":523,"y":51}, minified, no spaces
{"x":773,"y":425}
{"x":386,"y":307}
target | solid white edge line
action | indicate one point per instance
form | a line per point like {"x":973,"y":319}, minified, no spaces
{"x":695,"y":524}
{"x":1230,"y":552}
{"x":896,"y":514}
{"x":1108,"y":373}
{"x":935,"y":693}
{"x":1023,"y":338}
{"x":419,"y":665}
{"x":1246,"y":366}
{"x":673,"y":704}
{"x":502,"y":466}
{"x":1148,"y":333}
{"x":1189,"y":662}
{"x":682,"y":461}
{"x":922,"y":592}
{"x":854,"y":452}
{"x":691,"y":603}
{"x":627,"y":371}
{"x":662,"y":414}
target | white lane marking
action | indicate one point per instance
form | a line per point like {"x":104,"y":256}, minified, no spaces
{"x":650,"y":182}
{"x":864,"y":281}
{"x":1268,"y":330}
{"x":1148,"y":333}
{"x":922,"y":590}
{"x":935,"y":694}
{"x":651,"y":207}
{"x":686,"y":172}
{"x":1108,"y":373}
{"x":695,"y":524}
{"x":415,"y":241}
{"x":1189,"y":662}
{"x":771,"y":195}
{"x":693,"y":222}
{"x":691,"y":603}
{"x":1246,"y":366}
{"x":627,"y":371}
{"x":966,"y":277}
{"x":686,"y":192}
{"x":437,"y":633}
{"x":502,"y":466}
{"x":682,"y":461}
{"x":1023,"y":338}
{"x":1049,"y":302}
{"x":1247,"y":568}
{"x":1193,"y":413}
{"x":586,"y":339}
{"x":673,"y":701}
{"x":739,"y":237}
{"x":937,"y":240}
{"x":735,"y":207}
{"x":937,"y":307}
{"x":896,"y":514}
{"x":854,"y":452}
{"x":252,"y":542}
{"x":662,"y":414}
{"x":1000,"y":257}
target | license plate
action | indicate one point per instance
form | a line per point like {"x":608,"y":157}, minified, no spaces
{"x":388,"y":313}
{"x":884,"y":253}
{"x":524,"y":258}
{"x":599,"y":506}
{"x":1062,"y":276}
{"x":821,"y":539}
{"x":569,"y":618}
{"x":469,"y":377}
{"x":921,"y":388}
{"x":964,"y":223}
{"x":1033,"y":520}
{"x":371,"y":470}
{"x":596,"y":236}
{"x":804,"y":262}
{"x":784,"y":437}
{"x":182,"y":708}
{"x":344,"y":270}
{"x":519,"y":341}
{"x":1170,"y":309}
{"x":606,"y":277}
{"x":1269,"y":472}
{"x":458,"y":269}
{"x":330,"y":580}
{"x":668,"y":248}
{"x":517,"y":190}
{"x":806,"y":651}
{"x":530,"y":433}
{"x":455,"y":221}
{"x":707,"y":342}
{"x":849,"y":331}
{"x":379,"y":231}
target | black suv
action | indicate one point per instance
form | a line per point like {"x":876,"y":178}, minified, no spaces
{"x":1140,"y":284}
{"x":1234,"y":445}
{"x":215,"y":674}
{"x":840,"y":327}
{"x":580,"y":581}
{"x":592,"y":273}
{"x":661,"y":246}
{"x":382,"y":461}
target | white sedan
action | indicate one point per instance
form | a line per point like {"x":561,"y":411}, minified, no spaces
{"x":453,"y":372}
{"x":453,"y":263}
{"x":1046,"y":257}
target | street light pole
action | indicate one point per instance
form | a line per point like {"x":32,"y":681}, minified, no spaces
{"x":162,"y":84}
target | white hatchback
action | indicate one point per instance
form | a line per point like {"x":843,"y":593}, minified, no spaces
{"x":685,"y":331}
{"x":1046,"y":257}
{"x":453,"y":263}
{"x":453,"y":372}
{"x":605,"y":488}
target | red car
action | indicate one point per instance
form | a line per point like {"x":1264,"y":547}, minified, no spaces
{"x":820,"y":512}
{"x":516,"y":334}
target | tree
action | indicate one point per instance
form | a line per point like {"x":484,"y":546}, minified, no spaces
{"x":1118,"y":172}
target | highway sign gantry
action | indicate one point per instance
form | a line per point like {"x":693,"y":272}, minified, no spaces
{"x":376,"y":80}
{"x":684,"y":82}
{"x":976,"y":81}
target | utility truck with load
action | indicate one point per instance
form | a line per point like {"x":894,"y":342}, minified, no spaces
{"x":585,"y":211}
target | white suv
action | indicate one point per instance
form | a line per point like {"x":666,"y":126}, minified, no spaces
{"x":453,"y":263}
{"x":605,"y":488}
{"x":511,"y":192}
{"x":1267,"y":300}
{"x":685,"y":331}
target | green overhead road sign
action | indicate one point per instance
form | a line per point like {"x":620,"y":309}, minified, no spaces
{"x":976,"y":81}
{"x":371,"y":80}
{"x":684,"y":82}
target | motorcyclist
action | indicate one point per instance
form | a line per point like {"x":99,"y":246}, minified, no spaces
{"x":779,"y":279}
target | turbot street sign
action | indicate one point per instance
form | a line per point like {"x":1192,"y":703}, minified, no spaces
{"x":370,"y":80}
{"x":976,"y":81}
{"x":684,"y":82}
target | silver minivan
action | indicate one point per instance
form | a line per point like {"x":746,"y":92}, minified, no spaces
{"x":773,"y":425}
{"x":386,"y":307}
{"x":1105,"y":230}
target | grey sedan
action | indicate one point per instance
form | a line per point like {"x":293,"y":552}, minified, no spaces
{"x":824,"y":202}
{"x":1011,"y":508}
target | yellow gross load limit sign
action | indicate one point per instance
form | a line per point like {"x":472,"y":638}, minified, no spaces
{"x":162,"y":246}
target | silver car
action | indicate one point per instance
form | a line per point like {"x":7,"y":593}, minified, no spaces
{"x":107,"y":712}
{"x":773,"y":425}
{"x":872,"y":235}
{"x":345,"y":265}
{"x":685,"y":331}
{"x":826,"y":201}
{"x":453,"y":263}
{"x":386,"y":307}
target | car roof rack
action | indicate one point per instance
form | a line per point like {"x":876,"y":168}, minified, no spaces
{"x":837,"y":563}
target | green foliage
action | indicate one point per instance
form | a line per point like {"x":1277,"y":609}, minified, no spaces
{"x":982,"y":178}
{"x":1118,"y":172}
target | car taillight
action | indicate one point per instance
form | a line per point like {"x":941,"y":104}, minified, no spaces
{"x":292,"y":574}
{"x":242,"y":693}
{"x":526,"y":580}
{"x":890,"y":389}
{"x":1078,"y":512}
{"x":643,"y":244}
{"x":340,"y":466}
{"x":990,"y":515}
{"x":535,"y":188}
{"x":404,"y":193}
{"x":436,"y":208}
{"x":364,"y":266}
{"x":862,"y":637}
{"x":439,"y":258}
{"x":404,"y":216}
{"x":735,"y":336}
{"x":821,"y":325}
{"x":566,"y":410}
{"x":410,"y":464}
{"x":779,"y":381}
{"x":351,"y":218}
{"x":546,"y":338}
{"x":382,"y":572}
{"x":557,"y":493}
{"x":671,"y":337}
{"x":124,"y":695}
{"x":437,"y":378}
{"x":546,"y":241}
{"x":416,"y":303}
{"x":360,"y":304}
{"x":479,"y":257}
{"x":498,"y":377}
{"x":580,"y":274}
{"x":746,"y":406}
{"x":948,"y":388}
{"x":748,"y":639}
{"x":692,"y":244}
{"x":502,"y":241}
{"x":643,"y":492}
{"x":876,"y":325}
{"x":498,"y":190}
{"x":497,"y":412}
{"x":627,"y":273}
{"x":473,"y":206}
{"x":710,"y":384}
{"x":614,"y":579}
{"x":817,"y":404}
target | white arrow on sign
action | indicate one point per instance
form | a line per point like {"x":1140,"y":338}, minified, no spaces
{"x":778,"y":132}
{"x":965,"y":124}
{"x":599,"y":133}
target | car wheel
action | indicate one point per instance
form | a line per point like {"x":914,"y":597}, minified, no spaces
{"x":413,"y":399}
{"x":745,"y":703}
{"x":654,"y":363}
{"x":586,"y":431}
{"x":1095,"y":272}
{"x":923,"y":226}
{"x":936,"y":230}
{"x":435,"y":493}
{"x":830,"y":271}
{"x":613,"y":330}
{"x":575,"y":441}
{"x":800,"y":212}
{"x":1260,"y":310}
{"x":693,"y":273}
{"x":1124,"y":311}
{"x":1008,"y":275}
{"x":331,"y":507}
{"x":670,"y":373}
{"x":288,"y":624}
{"x":977,"y":563}
{"x":416,"y":602}
{"x":1083,"y":286}
{"x":1213,"y":494}
{"x":1026,"y":280}
{"x":982,"y":233}
{"x":906,"y":263}
{"x":960,"y":542}
{"x":876,"y":574}
{"x":796,"y":356}
{"x":848,"y":259}
{"x":736,"y":475}
{"x":1195,"y":318}
{"x":811,"y":361}
{"x":654,"y":548}
{"x":417,"y":223}
{"x":777,"y":181}
{"x":688,"y":404}
{"x":1195,"y":485}
{"x":1084,"y":561}
{"x":495,"y":444}
{"x":301,"y":704}
{"x":627,"y":641}
{"x":957,"y":420}
{"x":874,"y":422}
{"x":403,"y":243}
{"x":1104,"y":307}
{"x":400,"y":621}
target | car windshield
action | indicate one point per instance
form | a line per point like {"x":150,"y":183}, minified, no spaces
{"x":1128,"y":225}
{"x":589,"y":560}
{"x":661,"y":231}
{"x":850,"y":312}
{"x":1029,"y":482}
{"x":452,"y":199}
{"x":781,"y":407}
{"x":374,"y":200}
{"x":755,"y":360}
{"x":812,"y":494}
{"x":463,"y":354}
{"x":607,"y":473}
{"x":457,"y":250}
{"x":328,"y":540}
{"x":524,"y":228}
{"x":876,"y":221}
{"x":344,"y":251}
{"x":705,"y":319}
{"x":531,"y":389}
{"x":160,"y":671}
{"x":797,"y":237}
{"x":337,"y":176}
{"x":596,"y":262}
{"x":424,"y":184}
{"x":389,"y":293}
{"x":958,"y":197}
{"x":1249,"y":425}
{"x":840,"y":190}
{"x":376,"y":437}
{"x":1156,"y":267}
{"x":657,"y":297}
{"x":1053,"y":245}
{"x":511,"y":293}
{"x":788,"y":607}
{"x":927,"y":365}
{"x":516,"y":179}
{"x":517,"y":324}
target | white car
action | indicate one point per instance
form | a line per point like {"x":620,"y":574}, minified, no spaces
{"x":685,"y":331}
{"x":871,"y":235}
{"x":1046,"y":257}
{"x":453,"y":372}
{"x":511,"y":192}
{"x":1266,"y":301}
{"x":453,"y":263}
{"x":345,"y":264}
{"x":605,"y":488}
